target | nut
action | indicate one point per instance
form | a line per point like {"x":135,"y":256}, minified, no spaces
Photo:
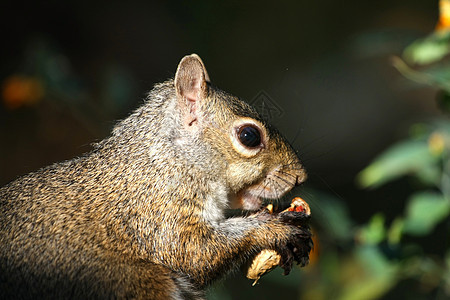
{"x":262,"y":264}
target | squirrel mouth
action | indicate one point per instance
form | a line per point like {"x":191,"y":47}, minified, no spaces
{"x":273,"y":186}
{"x":252,"y":197}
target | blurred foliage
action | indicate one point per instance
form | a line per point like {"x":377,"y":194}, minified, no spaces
{"x":382,"y":255}
{"x":369,"y":261}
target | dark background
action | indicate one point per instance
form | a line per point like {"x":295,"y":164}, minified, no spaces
{"x":326,"y":64}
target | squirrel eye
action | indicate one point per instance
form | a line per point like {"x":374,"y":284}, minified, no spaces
{"x":249,"y":136}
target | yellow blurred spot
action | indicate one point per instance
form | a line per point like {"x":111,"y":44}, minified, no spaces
{"x":444,"y":15}
{"x":436,"y":143}
{"x":20,"y":90}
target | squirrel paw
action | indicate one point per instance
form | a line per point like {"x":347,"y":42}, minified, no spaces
{"x":294,"y":218}
{"x":297,"y":249}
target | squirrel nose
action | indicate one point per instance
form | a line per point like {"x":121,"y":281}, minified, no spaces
{"x":301,"y":176}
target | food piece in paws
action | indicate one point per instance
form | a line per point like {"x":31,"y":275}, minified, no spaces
{"x":268,"y":259}
{"x":299,"y":205}
{"x":262,"y":264}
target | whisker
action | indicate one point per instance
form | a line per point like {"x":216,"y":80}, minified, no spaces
{"x":317,"y":156}
{"x":280,"y":188}
{"x":328,"y":186}
{"x":312,"y":142}
{"x":300,"y":129}
{"x":288,"y":174}
{"x":263,"y":190}
{"x":283,"y":179}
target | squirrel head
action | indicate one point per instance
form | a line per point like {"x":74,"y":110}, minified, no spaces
{"x":238,"y":148}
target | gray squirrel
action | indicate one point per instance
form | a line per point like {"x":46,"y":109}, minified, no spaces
{"x":142,"y":215}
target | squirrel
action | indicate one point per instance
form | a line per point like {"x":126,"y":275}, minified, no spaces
{"x":142,"y":215}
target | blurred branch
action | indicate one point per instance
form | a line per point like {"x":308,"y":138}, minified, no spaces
{"x":418,"y":76}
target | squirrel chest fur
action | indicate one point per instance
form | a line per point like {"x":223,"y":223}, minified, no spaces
{"x":142,"y":214}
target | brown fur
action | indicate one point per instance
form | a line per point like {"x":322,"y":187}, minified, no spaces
{"x":142,"y":215}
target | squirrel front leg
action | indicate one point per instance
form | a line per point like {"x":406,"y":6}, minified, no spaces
{"x":207,"y":251}
{"x":291,"y":237}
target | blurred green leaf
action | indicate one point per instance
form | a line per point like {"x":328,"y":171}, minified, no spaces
{"x":379,"y":276}
{"x":374,"y":261}
{"x":428,"y":50}
{"x":395,"y":231}
{"x":374,"y":232}
{"x":424,"y":211}
{"x":437,"y":75}
{"x":429,"y":174}
{"x":411,"y":156}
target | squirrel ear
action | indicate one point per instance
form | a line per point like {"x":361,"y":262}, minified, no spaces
{"x":191,"y":84}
